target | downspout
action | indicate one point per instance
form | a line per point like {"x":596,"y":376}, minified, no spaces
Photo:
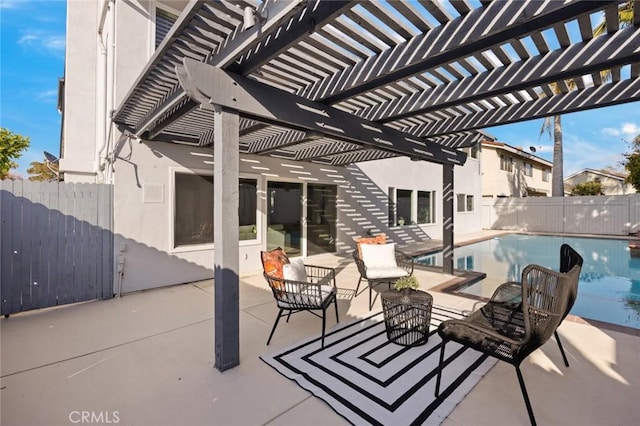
{"x":111,"y":96}
{"x":105,"y":101}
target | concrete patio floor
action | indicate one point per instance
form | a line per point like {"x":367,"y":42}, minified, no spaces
{"x":147,"y":359}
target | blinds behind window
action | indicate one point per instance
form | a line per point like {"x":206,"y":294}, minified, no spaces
{"x":164,"y":22}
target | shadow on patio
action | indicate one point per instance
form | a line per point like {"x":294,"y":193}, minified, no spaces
{"x":147,"y":359}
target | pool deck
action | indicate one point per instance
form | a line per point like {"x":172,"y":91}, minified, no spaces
{"x":149,"y":356}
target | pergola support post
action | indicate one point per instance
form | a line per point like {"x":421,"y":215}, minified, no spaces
{"x":447,"y":218}
{"x":225,"y":231}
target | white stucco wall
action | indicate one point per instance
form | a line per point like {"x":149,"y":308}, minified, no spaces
{"x":79,"y":131}
{"x":143,"y":211}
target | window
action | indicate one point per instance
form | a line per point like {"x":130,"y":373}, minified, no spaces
{"x":473,"y":153}
{"x":408,"y":206}
{"x":164,"y":22}
{"x":528,"y":169}
{"x":460,"y":202}
{"x":426,"y":206}
{"x":506,"y":163}
{"x":193,"y":220}
{"x":464,"y":203}
{"x":545,"y":175}
{"x":403,"y":206}
{"x":247,"y":209}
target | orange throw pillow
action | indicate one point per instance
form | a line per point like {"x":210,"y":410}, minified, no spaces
{"x":273,"y":261}
{"x":378,"y":239}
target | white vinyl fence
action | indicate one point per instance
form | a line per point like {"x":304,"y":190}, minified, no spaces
{"x":605,"y":215}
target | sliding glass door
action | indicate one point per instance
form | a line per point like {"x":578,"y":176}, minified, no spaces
{"x":321,"y":218}
{"x":284,"y":217}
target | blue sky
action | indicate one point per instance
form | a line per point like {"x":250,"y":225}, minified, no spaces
{"x":32,"y":38}
{"x":32,"y":41}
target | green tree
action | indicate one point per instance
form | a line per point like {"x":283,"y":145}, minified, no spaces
{"x":632,"y":164}
{"x":11,"y":147}
{"x":42,"y":171}
{"x":588,"y":188}
{"x":625,"y":19}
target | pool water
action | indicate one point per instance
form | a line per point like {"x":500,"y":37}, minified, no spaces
{"x":609,"y":288}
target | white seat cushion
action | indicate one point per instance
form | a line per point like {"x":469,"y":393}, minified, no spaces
{"x":379,"y":255}
{"x":377,"y":273}
{"x":307,"y":296}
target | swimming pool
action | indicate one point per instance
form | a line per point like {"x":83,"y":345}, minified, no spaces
{"x":609,"y":288}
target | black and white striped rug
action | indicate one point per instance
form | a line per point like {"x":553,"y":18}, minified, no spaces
{"x":368,"y":380}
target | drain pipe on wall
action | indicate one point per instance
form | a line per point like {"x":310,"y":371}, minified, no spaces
{"x":106,"y":69}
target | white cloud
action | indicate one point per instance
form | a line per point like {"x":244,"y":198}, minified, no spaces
{"x":9,"y":4}
{"x":627,"y":131}
{"x":54,"y":43}
{"x":579,"y":154}
{"x":630,"y":129}
{"x":40,"y":41}
{"x":47,"y":96}
{"x":27,"y":39}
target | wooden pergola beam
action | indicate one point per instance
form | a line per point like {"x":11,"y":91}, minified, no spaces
{"x":210,"y":85}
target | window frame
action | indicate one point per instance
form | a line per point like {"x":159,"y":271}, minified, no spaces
{"x":172,"y":211}
{"x":152,"y":27}
{"x":462,"y":207}
{"x":506,"y":163}
{"x":546,"y":172}
{"x":528,"y":169}
{"x":260,"y":188}
{"x":432,"y":207}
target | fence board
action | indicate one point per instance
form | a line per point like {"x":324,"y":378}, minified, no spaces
{"x":6,"y":234}
{"x":56,"y":244}
{"x":37,"y":233}
{"x":106,"y":269}
{"x":57,"y":238}
{"x":16,"y":247}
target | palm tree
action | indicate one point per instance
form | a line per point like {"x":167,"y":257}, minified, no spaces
{"x":625,"y":19}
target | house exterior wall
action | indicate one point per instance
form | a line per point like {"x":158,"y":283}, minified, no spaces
{"x":81,"y":75}
{"x":143,"y":175}
{"x":502,"y":183}
{"x":610,"y":185}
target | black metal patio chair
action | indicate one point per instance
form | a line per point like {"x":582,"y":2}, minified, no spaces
{"x":511,"y":330}
{"x":376,"y":276}
{"x":316,"y":293}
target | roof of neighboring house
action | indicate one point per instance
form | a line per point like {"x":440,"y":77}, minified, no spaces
{"x":517,"y":151}
{"x":605,"y":173}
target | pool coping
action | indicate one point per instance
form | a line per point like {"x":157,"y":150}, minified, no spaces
{"x":464,"y":278}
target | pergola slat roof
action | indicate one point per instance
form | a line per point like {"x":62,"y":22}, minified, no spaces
{"x":437,"y":71}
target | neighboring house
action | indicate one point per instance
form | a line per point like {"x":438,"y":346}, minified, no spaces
{"x":164,"y":192}
{"x":508,"y":171}
{"x":613,"y":183}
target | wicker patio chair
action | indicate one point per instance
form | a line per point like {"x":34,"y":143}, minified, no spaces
{"x":511,"y":292}
{"x":375,"y":276}
{"x":511,"y":331}
{"x":316,"y":293}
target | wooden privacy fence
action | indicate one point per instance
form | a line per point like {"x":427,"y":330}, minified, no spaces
{"x":604,"y":215}
{"x":56,"y":244}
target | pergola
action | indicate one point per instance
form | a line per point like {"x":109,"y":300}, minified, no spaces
{"x":339,"y":82}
